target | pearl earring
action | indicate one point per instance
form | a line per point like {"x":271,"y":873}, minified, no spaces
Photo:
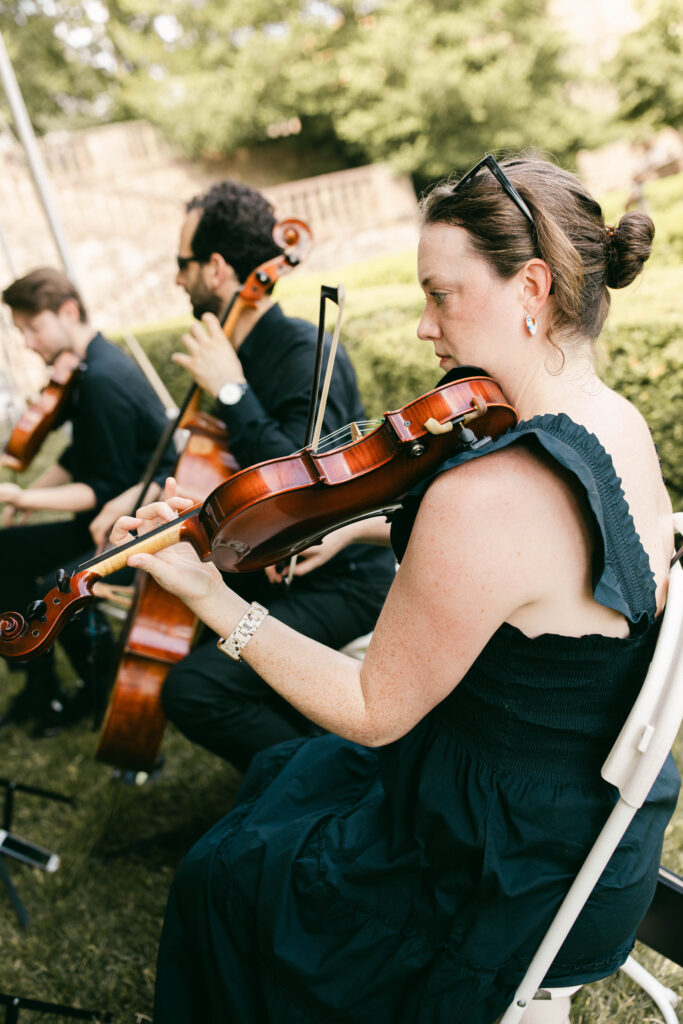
{"x":530,"y":324}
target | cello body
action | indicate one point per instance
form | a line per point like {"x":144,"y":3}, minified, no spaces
{"x":160,"y":629}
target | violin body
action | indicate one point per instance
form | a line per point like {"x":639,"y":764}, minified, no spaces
{"x":160,"y":629}
{"x":309,"y":494}
{"x":264,"y":514}
{"x":43,"y":415}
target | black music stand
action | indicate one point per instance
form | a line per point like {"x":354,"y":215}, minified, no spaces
{"x":16,"y":1003}
{"x":25,"y":850}
{"x":30,"y":853}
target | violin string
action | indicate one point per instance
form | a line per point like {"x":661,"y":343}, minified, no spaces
{"x":341,"y":436}
{"x":117,"y":549}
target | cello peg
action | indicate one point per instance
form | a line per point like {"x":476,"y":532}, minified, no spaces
{"x":62,"y":581}
{"x":37,"y":610}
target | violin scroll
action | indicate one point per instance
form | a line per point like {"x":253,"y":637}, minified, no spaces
{"x":12,"y":625}
{"x":27,"y":637}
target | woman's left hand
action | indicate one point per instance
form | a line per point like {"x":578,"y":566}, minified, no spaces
{"x":177,"y":569}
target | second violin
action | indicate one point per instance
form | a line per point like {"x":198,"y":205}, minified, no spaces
{"x":43,"y":415}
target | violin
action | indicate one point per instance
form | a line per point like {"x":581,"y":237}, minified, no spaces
{"x":160,"y":629}
{"x":265,"y":514}
{"x":43,"y":415}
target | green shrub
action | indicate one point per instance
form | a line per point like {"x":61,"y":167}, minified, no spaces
{"x":643,"y":363}
{"x":160,"y":341}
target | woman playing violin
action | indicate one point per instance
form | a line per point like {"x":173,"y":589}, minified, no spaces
{"x":404,"y":867}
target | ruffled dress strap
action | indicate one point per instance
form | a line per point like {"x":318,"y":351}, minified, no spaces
{"x":621,"y":575}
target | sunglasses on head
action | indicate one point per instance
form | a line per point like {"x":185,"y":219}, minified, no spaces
{"x":500,"y":176}
{"x":510,"y":190}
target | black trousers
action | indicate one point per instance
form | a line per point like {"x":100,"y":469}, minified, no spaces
{"x":30,"y":556}
{"x":224,"y":705}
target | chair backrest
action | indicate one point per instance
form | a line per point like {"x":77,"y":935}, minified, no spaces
{"x":650,"y":729}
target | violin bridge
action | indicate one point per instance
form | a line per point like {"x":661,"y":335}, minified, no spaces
{"x":355,"y":431}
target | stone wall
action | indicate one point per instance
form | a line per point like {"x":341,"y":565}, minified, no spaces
{"x":120,"y":193}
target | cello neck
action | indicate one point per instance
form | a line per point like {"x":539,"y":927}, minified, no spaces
{"x":188,"y":407}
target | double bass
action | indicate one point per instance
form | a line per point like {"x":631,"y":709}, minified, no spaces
{"x":160,"y":629}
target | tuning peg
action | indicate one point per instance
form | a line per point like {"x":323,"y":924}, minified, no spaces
{"x":62,"y":581}
{"x":37,"y":610}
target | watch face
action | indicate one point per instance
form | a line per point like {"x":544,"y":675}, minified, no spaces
{"x":231,"y":393}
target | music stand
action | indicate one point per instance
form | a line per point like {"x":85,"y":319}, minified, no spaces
{"x":13,"y":845}
{"x":16,"y":1003}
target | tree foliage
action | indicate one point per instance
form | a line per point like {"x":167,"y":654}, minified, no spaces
{"x":60,"y":54}
{"x":426,"y":86}
{"x":647,"y":68}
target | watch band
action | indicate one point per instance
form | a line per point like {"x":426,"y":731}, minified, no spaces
{"x":234,"y":644}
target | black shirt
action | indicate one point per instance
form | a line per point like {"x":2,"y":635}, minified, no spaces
{"x":117,"y":420}
{"x":269,"y":421}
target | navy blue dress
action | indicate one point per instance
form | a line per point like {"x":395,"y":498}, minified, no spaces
{"x":412,"y":883}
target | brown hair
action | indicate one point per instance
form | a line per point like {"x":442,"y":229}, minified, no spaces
{"x":585,"y":255}
{"x":44,"y":288}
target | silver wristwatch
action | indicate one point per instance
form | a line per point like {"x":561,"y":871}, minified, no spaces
{"x":231,"y":392}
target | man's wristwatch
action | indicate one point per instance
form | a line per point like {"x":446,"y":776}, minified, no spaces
{"x":231,"y":392}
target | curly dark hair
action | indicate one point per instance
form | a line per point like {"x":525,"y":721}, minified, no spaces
{"x":237,"y":222}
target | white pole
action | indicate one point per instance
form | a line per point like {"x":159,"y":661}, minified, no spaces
{"x":35,"y":160}
{"x":7,"y":254}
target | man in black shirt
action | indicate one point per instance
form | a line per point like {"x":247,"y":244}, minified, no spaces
{"x":261,"y":380}
{"x":116,"y":420}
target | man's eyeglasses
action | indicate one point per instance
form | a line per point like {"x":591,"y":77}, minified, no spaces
{"x":184,"y":261}
{"x":498,"y":173}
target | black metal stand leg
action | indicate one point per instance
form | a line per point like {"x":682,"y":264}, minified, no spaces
{"x":19,"y":908}
{"x":16,"y":1003}
{"x":12,"y":1013}
{"x":25,"y":850}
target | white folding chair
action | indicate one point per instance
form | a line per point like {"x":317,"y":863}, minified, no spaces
{"x":632,"y":767}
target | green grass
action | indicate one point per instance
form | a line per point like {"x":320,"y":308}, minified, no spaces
{"x":95,"y":923}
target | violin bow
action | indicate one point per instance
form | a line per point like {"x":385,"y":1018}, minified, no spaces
{"x":314,"y":424}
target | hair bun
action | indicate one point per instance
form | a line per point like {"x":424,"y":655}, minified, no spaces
{"x":628,"y":247}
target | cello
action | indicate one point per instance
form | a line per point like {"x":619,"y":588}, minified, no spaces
{"x":160,"y":629}
{"x":268,"y":512}
{"x":43,"y":415}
